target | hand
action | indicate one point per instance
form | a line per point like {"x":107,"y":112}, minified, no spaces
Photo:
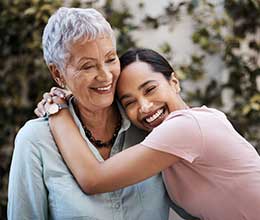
{"x":56,"y":95}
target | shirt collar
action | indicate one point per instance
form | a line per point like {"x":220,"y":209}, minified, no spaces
{"x":124,"y":126}
{"x":125,"y":121}
{"x":82,"y":132}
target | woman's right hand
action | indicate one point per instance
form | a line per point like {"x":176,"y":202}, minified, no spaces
{"x":47,"y":99}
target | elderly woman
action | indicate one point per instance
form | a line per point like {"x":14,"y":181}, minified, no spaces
{"x":79,"y":49}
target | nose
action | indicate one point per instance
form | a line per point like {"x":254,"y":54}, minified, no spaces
{"x":104,"y":74}
{"x":145,"y":106}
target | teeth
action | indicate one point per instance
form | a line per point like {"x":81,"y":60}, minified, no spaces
{"x":154,"y":116}
{"x":104,"y":88}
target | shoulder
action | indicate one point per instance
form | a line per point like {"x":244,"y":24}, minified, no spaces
{"x":32,"y":137}
{"x":180,"y":128}
{"x":33,"y":130}
{"x":194,"y":117}
{"x":179,"y":135}
{"x":181,"y":119}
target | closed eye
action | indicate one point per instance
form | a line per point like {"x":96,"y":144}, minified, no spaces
{"x":111,"y":60}
{"x":149,"y":90}
{"x":87,"y":66}
{"x":128,"y":103}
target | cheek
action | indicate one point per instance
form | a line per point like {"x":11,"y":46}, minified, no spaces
{"x":115,"y":69}
{"x":78,"y":84}
{"x":132,"y":115}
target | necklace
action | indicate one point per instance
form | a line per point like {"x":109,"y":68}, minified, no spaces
{"x":93,"y":140}
{"x":99,"y":143}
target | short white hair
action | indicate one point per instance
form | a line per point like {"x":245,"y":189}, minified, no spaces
{"x":68,"y":25}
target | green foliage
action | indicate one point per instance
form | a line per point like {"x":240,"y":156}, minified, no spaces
{"x":229,"y":29}
{"x":227,"y":35}
{"x":120,"y":21}
{"x":23,"y":74}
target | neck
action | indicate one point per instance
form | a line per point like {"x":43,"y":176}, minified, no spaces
{"x":180,"y":104}
{"x":101,"y":123}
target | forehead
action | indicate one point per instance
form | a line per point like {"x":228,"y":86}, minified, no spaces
{"x":138,"y":72}
{"x":95,"y":49}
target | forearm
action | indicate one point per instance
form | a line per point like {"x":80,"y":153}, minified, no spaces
{"x":125,"y":168}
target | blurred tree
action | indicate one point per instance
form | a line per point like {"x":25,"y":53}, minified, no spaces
{"x":231,"y":29}
{"x":23,"y":74}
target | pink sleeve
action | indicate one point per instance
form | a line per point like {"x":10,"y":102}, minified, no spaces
{"x":180,"y":135}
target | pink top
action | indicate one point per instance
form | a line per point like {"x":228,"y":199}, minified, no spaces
{"x":218,"y":177}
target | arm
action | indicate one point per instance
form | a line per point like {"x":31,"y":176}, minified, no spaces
{"x":126,"y":168}
{"x":27,"y":196}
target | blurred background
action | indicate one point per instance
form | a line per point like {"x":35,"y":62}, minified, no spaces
{"x":214,"y":46}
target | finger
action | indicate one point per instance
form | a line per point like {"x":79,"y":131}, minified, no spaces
{"x":47,"y":97}
{"x":59,"y":100}
{"x":59,"y":92}
{"x":53,"y":89}
{"x":38,"y":113}
{"x":41,"y":107}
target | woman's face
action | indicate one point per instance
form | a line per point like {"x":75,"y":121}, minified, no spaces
{"x":147,"y":96}
{"x":92,"y":73}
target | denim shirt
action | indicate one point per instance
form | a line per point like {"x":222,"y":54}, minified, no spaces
{"x":42,"y":187}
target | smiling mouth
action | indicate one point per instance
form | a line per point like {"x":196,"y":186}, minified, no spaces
{"x":155,"y":119}
{"x":155,"y":116}
{"x":104,"y":89}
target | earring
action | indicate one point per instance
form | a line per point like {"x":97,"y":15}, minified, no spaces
{"x":62,"y":84}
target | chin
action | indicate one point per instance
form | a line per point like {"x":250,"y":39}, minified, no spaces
{"x":105,"y":104}
{"x":142,"y":127}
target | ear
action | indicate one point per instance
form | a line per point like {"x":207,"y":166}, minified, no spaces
{"x":175,"y":82}
{"x":57,"y":75}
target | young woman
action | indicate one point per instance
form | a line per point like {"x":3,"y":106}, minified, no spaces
{"x":209,"y":169}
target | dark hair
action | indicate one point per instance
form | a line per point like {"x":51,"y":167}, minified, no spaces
{"x":157,"y":62}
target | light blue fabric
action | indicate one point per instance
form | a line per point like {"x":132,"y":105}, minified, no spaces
{"x":42,"y":187}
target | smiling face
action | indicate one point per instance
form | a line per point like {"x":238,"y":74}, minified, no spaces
{"x":92,"y":72}
{"x":147,"y":96}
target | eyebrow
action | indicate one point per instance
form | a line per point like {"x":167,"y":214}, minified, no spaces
{"x":144,"y":84}
{"x":83,"y":59}
{"x":139,"y":88}
{"x":112,"y":51}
